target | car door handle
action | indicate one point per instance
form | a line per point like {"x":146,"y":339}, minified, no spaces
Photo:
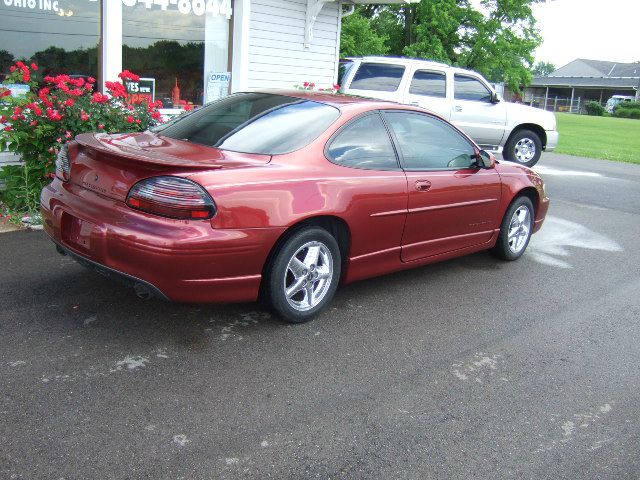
{"x":457,"y":108}
{"x":423,"y":185}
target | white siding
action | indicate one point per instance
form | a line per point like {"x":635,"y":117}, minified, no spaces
{"x":277,"y":57}
{"x":7,"y":158}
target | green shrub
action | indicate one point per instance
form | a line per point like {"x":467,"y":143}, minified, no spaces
{"x":630,"y":105}
{"x":594,"y":108}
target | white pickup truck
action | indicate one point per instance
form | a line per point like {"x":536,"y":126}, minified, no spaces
{"x":463,"y":97}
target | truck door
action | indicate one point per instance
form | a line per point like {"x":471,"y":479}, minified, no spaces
{"x":427,"y":88}
{"x":473,"y":112}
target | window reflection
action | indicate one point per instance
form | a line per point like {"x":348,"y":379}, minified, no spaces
{"x":59,"y":41}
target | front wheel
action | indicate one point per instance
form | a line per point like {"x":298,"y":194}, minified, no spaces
{"x":524,"y":147}
{"x":515,"y":231}
{"x":303,"y":276}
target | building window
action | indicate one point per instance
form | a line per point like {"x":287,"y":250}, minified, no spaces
{"x":60,"y":36}
{"x":176,"y":46}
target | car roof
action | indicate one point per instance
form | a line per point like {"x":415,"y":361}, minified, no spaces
{"x":339,"y":101}
{"x":419,"y":62}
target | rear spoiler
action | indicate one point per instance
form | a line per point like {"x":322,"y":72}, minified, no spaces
{"x":125,"y":146}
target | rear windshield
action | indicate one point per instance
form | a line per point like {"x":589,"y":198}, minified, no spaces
{"x":260,"y":123}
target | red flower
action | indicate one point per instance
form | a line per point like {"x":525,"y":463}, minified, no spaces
{"x":188,"y":108}
{"x":130,"y":119}
{"x":312,"y":85}
{"x":305,"y":84}
{"x":117,"y":89}
{"x":34,"y":123}
{"x":84,"y":116}
{"x":99,"y":98}
{"x":12,"y":68}
{"x":54,"y":114}
{"x":49,"y":79}
{"x":101,"y":127}
{"x":7,"y":128}
{"x":37,"y":110}
{"x":17,"y":111}
{"x":127,"y":75}
{"x":91,"y":80}
{"x":3,"y":119}
{"x":76,"y":92}
{"x":34,"y":67}
{"x":156,"y":115}
{"x":69,"y":102}
{"x":68,"y":134}
{"x":138,"y":121}
{"x":5,"y":93}
{"x":336,"y":87}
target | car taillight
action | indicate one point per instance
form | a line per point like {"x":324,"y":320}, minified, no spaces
{"x":172,"y":197}
{"x":63,"y":166}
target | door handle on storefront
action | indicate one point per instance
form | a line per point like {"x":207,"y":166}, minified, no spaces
{"x":423,"y":185}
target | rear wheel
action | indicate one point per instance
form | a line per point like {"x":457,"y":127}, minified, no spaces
{"x":303,"y":276}
{"x":524,"y":147}
{"x":516,"y":229}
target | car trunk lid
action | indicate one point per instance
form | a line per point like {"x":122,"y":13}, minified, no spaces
{"x":110,"y":164}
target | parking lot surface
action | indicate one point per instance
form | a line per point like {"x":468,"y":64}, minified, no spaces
{"x":471,"y":369}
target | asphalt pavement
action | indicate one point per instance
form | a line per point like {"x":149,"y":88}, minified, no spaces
{"x":468,"y":369}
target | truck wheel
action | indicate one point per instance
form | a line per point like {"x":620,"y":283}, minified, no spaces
{"x":524,"y":147}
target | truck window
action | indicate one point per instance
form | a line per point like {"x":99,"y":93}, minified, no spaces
{"x":469,"y":88}
{"x":431,"y":84}
{"x":381,"y":77}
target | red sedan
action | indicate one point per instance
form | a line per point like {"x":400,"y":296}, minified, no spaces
{"x":282,"y":196}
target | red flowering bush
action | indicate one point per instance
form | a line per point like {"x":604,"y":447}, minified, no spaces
{"x":36,"y":125}
{"x":311,"y":87}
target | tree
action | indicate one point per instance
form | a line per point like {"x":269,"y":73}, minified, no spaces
{"x":358,"y":38}
{"x":497,"y":39}
{"x":543,"y":69}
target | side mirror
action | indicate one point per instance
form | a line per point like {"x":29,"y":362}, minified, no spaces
{"x":495,"y":97}
{"x":485,"y":159}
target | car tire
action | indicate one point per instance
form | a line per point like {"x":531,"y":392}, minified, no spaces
{"x":515,"y":230}
{"x":524,"y":147}
{"x":303,"y":275}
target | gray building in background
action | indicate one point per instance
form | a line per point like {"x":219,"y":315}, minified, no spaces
{"x":570,"y":86}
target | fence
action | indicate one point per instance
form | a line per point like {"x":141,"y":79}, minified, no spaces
{"x":558,"y":104}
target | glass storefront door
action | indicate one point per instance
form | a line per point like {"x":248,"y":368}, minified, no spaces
{"x":177,"y":44}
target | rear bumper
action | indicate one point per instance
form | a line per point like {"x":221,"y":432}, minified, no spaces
{"x":184,"y":261}
{"x":552,"y":140}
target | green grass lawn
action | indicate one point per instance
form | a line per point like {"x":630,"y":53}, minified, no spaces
{"x":599,"y":137}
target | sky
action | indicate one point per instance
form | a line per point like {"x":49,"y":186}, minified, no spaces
{"x":592,"y":29}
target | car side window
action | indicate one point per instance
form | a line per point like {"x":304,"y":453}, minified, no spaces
{"x":380,"y":77}
{"x":428,"y":143}
{"x":363,"y":143}
{"x":431,"y":84}
{"x":469,"y":88}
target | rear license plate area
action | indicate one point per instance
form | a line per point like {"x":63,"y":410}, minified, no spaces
{"x":76,"y":232}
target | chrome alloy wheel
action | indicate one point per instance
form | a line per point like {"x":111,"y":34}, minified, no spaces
{"x":525,"y":150}
{"x":308,"y":276}
{"x":519,"y":229}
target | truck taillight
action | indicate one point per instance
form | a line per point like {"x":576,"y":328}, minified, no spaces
{"x":172,"y":197}
{"x":63,"y":166}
